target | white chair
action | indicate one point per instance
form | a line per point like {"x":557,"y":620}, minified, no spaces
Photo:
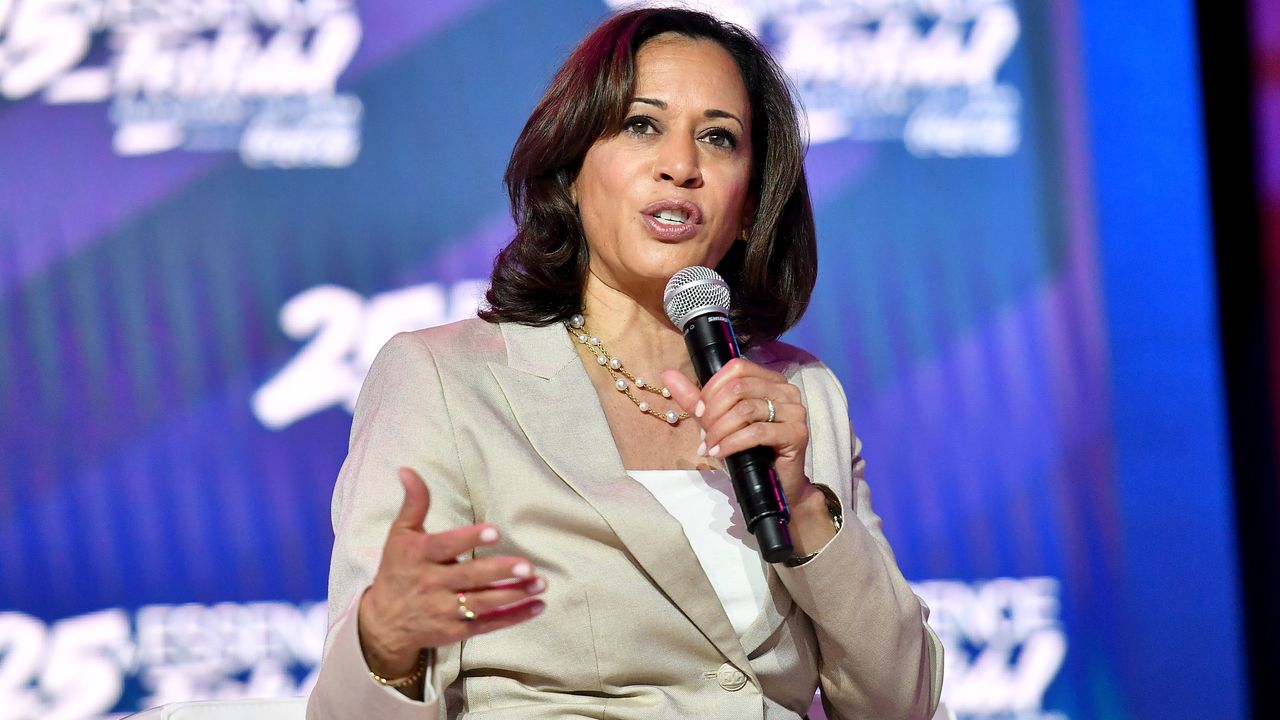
{"x":272,"y":709}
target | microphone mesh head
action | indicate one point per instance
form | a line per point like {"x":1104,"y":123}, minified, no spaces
{"x":694,"y":291}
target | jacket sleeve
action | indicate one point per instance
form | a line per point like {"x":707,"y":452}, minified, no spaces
{"x":344,"y":688}
{"x":401,"y":420}
{"x":878,"y":656}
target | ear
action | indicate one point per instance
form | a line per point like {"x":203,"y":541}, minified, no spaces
{"x":573,"y":192}
{"x":748,"y":217}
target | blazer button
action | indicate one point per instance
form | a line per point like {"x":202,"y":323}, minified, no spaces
{"x":731,"y":678}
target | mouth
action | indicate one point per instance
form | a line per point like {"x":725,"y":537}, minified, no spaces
{"x":671,"y":217}
{"x":672,"y":220}
{"x":674,"y":212}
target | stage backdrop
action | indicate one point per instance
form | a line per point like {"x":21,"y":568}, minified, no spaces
{"x":212,"y":214}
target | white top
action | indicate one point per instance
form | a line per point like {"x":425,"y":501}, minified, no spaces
{"x":704,"y":503}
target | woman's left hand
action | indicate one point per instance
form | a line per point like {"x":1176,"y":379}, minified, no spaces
{"x":733,"y":411}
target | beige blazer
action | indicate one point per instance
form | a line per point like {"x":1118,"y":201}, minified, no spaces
{"x":505,"y":427}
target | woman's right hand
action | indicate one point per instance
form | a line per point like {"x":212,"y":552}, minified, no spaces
{"x":413,"y":601}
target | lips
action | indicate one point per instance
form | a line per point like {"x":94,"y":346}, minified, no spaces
{"x":672,"y":219}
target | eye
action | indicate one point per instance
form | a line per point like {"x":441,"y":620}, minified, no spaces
{"x":639,"y":125}
{"x":721,"y":138}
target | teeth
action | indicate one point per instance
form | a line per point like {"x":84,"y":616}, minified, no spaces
{"x":673,"y":216}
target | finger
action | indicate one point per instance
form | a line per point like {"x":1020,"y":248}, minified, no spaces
{"x":504,"y":618}
{"x":747,"y":411}
{"x":731,"y":433}
{"x":724,"y":398}
{"x":739,"y":368}
{"x":683,"y":390}
{"x":489,"y":600}
{"x":445,"y":547}
{"x":413,"y":510}
{"x":783,"y":439}
{"x":482,"y":572}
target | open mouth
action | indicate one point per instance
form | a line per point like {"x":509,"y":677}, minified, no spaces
{"x":672,"y":217}
{"x":673,"y":212}
{"x":672,"y":220}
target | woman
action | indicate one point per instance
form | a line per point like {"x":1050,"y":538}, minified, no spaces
{"x":605,"y":572}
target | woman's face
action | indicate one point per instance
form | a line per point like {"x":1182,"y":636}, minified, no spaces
{"x":669,"y":188}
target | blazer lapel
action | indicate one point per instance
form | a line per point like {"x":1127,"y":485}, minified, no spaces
{"x":557,"y":407}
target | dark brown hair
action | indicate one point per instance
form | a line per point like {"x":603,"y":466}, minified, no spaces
{"x":538,"y":278}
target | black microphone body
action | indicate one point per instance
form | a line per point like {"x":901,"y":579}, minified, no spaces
{"x":712,"y":344}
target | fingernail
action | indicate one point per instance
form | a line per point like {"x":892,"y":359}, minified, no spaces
{"x":488,"y":534}
{"x":699,"y":409}
{"x":522,"y":570}
{"x":538,"y":586}
{"x":702,"y":449}
{"x":537,"y":609}
{"x":702,"y":433}
{"x":714,"y":452}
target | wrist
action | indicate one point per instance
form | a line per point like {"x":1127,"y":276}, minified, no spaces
{"x":384,"y":653}
{"x":811,"y":503}
{"x":815,"y":519}
{"x":406,"y":684}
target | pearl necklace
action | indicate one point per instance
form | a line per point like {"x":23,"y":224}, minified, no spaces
{"x":622,"y":379}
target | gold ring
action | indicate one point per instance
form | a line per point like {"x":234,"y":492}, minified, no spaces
{"x":463,"y":611}
{"x":772,"y":410}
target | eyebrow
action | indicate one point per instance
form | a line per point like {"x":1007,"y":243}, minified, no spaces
{"x":712,"y":113}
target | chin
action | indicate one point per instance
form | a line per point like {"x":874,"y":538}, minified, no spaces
{"x":651,"y":271}
{"x":671,"y":264}
{"x":663,"y":274}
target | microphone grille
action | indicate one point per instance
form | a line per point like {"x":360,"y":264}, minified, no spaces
{"x":694,"y":291}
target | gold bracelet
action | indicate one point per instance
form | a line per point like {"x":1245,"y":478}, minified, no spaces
{"x":404,"y":681}
{"x":837,"y":519}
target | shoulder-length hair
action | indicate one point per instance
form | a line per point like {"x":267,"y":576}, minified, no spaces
{"x":539,"y":277}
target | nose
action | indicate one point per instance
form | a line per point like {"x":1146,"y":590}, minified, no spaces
{"x":677,"y":162}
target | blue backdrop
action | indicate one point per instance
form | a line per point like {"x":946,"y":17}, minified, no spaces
{"x":210,"y":220}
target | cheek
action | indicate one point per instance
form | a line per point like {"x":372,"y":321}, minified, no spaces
{"x":603,"y":175}
{"x":736,"y":184}
{"x":735,"y":206}
{"x":603,"y":197}
{"x":600,"y":217}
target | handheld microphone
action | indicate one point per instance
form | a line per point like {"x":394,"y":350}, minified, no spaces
{"x":697,"y":301}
